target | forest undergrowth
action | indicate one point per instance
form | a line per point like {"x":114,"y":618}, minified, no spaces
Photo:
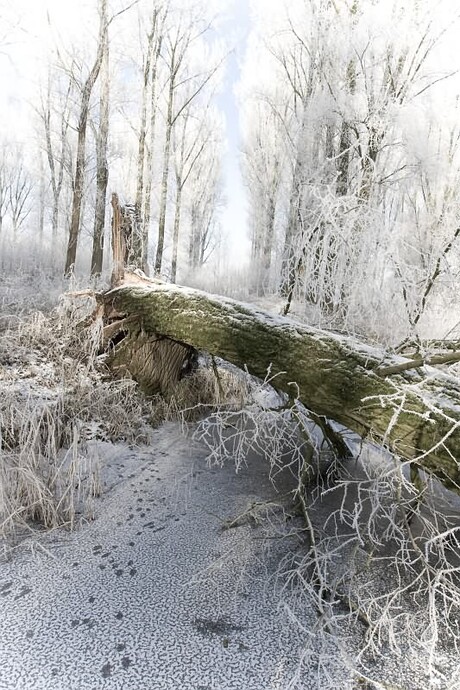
{"x":377,"y":543}
{"x":58,"y":400}
{"x":54,"y":401}
{"x":377,"y":554}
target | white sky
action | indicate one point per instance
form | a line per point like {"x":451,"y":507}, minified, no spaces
{"x":234,"y":220}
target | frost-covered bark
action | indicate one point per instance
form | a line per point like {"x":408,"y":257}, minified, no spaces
{"x":102,"y":168}
{"x":146,"y":208}
{"x":416,"y":416}
{"x":147,"y":131}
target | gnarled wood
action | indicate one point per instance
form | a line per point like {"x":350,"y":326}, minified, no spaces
{"x":417,"y":415}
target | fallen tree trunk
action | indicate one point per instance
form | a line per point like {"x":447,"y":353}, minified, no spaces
{"x":414,"y":412}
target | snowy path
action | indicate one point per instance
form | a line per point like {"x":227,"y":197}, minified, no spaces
{"x":153,"y":594}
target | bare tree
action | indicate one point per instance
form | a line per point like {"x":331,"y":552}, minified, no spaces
{"x":342,"y":108}
{"x":144,"y":154}
{"x":205,"y":200}
{"x":84,"y":108}
{"x":153,"y":103}
{"x":178,"y":44}
{"x":19,"y":192}
{"x":56,"y":153}
{"x":102,"y":168}
{"x":78,"y":181}
{"x":198,"y":133}
{"x":263,"y":162}
{"x":5,"y":182}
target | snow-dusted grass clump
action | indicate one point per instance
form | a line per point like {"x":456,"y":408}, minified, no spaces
{"x":54,"y":400}
{"x":57,"y":400}
{"x":213,"y":386}
{"x":25,"y":290}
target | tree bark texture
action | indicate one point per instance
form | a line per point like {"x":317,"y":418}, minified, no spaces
{"x":102,"y":171}
{"x":118,"y":245}
{"x":177,"y":215}
{"x":143,"y":124}
{"x":415,"y":413}
{"x":145,"y":215}
{"x":164,"y":179}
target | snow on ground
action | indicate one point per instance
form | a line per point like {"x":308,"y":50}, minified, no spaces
{"x":158,"y":593}
{"x":154,"y":594}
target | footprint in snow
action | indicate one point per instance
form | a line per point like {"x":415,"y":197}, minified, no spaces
{"x":106,"y":670}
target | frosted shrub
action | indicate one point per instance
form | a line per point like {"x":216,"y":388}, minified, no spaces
{"x":54,"y":401}
{"x":379,"y":543}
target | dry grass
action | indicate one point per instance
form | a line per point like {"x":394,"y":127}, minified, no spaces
{"x":55,"y":397}
{"x":211,"y":387}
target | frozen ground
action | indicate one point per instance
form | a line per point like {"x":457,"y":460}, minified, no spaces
{"x":158,"y":593}
{"x":154,"y":593}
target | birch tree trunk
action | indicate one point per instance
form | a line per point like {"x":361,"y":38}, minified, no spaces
{"x":143,"y":167}
{"x":177,"y":215}
{"x":118,"y":244}
{"x":56,"y":162}
{"x":102,"y":172}
{"x":165,"y":173}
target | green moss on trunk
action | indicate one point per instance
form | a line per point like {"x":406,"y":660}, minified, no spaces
{"x":334,"y":376}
